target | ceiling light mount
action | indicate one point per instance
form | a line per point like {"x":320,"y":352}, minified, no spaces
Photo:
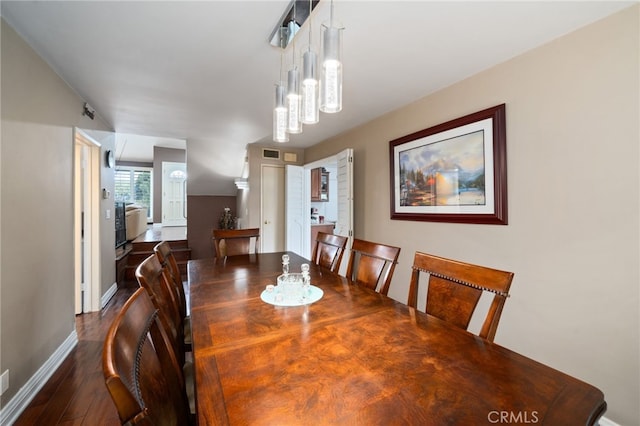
{"x":294,"y":16}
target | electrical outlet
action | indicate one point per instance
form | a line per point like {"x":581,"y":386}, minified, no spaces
{"x":4,"y":379}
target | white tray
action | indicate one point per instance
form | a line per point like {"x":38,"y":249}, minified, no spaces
{"x":315,"y":294}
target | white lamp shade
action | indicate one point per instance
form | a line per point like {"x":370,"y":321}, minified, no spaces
{"x":280,"y":117}
{"x":331,"y":79}
{"x":309,"y":113}
{"x":294,"y":125}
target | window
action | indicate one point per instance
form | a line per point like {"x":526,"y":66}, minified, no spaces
{"x":134,"y":185}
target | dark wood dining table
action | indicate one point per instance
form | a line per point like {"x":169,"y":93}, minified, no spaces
{"x":356,"y":357}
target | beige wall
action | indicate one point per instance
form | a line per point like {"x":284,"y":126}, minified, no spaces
{"x":573,"y":235}
{"x":39,"y":113}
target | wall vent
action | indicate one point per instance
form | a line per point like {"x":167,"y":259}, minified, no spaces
{"x":273,"y":154}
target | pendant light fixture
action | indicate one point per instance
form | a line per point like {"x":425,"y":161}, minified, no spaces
{"x":294,"y":124}
{"x":331,"y":83}
{"x":280,"y":112}
{"x":280,"y":116}
{"x":310,"y":87}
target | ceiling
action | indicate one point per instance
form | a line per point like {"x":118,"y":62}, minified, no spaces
{"x":204,"y":70}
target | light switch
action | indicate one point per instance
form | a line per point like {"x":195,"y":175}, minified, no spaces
{"x":108,"y":214}
{"x":4,"y":380}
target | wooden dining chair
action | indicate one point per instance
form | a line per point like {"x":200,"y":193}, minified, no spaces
{"x":172,"y":273}
{"x":173,"y":276}
{"x":372,"y":264}
{"x":140,"y":369}
{"x":454,"y":289}
{"x":233,"y":242}
{"x":328,"y":250}
{"x":150,"y":276}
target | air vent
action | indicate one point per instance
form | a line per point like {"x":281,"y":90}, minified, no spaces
{"x":274,"y":154}
{"x":290,"y":157}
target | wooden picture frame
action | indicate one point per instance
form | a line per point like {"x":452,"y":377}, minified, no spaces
{"x":453,"y":172}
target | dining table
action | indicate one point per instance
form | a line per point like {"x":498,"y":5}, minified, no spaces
{"x":347,"y":355}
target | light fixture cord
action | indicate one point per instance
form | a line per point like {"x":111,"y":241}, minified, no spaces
{"x":331,"y":15}
{"x":293,"y":54}
{"x":310,"y":10}
{"x":281,"y":65}
{"x":293,"y":45}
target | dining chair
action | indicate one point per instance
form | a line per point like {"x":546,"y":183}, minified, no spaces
{"x":454,"y":289}
{"x":150,"y":276}
{"x":172,"y":272}
{"x":328,"y":250}
{"x":233,"y":242}
{"x":173,"y":276}
{"x":372,"y":264}
{"x":140,"y":369}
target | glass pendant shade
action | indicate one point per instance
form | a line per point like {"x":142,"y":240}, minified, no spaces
{"x":293,"y":102}
{"x":280,"y":116}
{"x":331,"y":79}
{"x":310,"y":89}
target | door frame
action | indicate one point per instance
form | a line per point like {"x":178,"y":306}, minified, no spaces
{"x":87,"y":153}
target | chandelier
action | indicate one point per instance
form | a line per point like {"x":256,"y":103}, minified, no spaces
{"x":299,"y":102}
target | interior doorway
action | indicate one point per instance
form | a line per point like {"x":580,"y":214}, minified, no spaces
{"x":86,"y":223}
{"x":298,"y":193}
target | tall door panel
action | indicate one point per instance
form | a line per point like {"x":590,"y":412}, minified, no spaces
{"x":344,"y":225}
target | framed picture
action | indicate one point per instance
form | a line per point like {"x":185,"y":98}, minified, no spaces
{"x":452,"y":172}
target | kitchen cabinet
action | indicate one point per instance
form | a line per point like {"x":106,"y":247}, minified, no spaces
{"x":319,"y":184}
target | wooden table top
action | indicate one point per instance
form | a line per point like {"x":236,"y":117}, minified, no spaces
{"x":356,"y":357}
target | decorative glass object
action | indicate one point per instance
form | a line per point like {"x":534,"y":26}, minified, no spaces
{"x":227,"y":219}
{"x":285,"y":264}
{"x":290,"y":287}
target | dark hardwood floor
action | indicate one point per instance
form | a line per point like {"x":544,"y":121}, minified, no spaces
{"x":76,"y":393}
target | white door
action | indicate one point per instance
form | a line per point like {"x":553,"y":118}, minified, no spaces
{"x":174,"y":190}
{"x":272,"y":227}
{"x":295,"y":207}
{"x":344,"y":224}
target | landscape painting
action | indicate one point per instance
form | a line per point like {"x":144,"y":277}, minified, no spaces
{"x":448,"y":172}
{"x":452,"y":172}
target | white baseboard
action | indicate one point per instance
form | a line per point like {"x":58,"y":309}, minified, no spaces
{"x":10,"y":413}
{"x":108,"y":295}
{"x":606,"y":422}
